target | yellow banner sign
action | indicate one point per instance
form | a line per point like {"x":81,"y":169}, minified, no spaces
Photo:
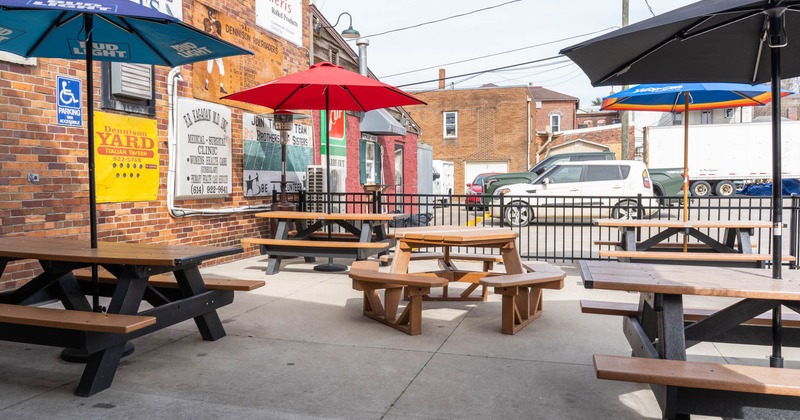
{"x":126,"y":158}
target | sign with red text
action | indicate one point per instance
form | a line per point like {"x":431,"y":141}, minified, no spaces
{"x":126,"y":158}
{"x":282,"y":17}
{"x":203,"y":150}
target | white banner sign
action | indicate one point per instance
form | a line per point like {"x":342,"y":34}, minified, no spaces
{"x":203,"y":150}
{"x":262,"y":155}
{"x":281,"y":17}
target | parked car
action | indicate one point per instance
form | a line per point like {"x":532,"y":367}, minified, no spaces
{"x":577,"y":190}
{"x":493,"y":182}
{"x":474,"y":191}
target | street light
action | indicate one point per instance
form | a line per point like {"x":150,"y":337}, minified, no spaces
{"x":348,"y":33}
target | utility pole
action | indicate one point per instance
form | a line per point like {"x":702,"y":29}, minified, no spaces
{"x":625,"y":141}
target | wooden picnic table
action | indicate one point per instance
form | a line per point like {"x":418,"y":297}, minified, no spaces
{"x":661,"y":329}
{"x":736,"y":239}
{"x":303,"y":234}
{"x":103,"y":335}
{"x":521,"y":285}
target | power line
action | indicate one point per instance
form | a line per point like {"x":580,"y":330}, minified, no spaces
{"x":484,"y":71}
{"x":440,"y":20}
{"x":499,"y":53}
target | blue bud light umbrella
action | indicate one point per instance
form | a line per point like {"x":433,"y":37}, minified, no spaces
{"x":685,"y":97}
{"x":116,"y":30}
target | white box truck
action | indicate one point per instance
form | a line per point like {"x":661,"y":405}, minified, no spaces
{"x":443,"y":179}
{"x":723,"y":157}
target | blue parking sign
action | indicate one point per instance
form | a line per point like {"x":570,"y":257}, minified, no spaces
{"x":68,"y":93}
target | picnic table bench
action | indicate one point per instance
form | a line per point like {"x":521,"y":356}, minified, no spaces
{"x":302,"y":234}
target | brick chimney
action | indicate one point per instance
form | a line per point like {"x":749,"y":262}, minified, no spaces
{"x":441,"y":78}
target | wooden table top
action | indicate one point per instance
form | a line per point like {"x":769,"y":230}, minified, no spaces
{"x":455,"y":235}
{"x":736,"y":224}
{"x":690,"y":280}
{"x":311,"y":215}
{"x":72,"y":250}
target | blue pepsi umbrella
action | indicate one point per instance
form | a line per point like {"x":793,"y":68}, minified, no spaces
{"x":117,"y":30}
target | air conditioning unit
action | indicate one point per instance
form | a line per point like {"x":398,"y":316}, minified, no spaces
{"x":315,"y":188}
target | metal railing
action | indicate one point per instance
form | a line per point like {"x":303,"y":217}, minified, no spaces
{"x":560,"y":229}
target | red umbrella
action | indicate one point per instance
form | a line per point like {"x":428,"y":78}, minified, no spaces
{"x":325,"y":86}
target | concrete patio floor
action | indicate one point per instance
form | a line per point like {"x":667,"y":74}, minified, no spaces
{"x":299,"y":348}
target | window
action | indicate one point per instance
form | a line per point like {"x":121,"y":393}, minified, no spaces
{"x":128,"y":87}
{"x":333,"y":56}
{"x":370,"y":166}
{"x":602,"y":173}
{"x":705,"y":117}
{"x":563,"y":174}
{"x":398,"y":168}
{"x":555,"y":123}
{"x":677,"y":118}
{"x":728,"y":112}
{"x":450,"y":124}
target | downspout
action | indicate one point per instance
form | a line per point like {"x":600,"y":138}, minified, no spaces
{"x":172,"y":144}
{"x":311,"y":35}
{"x":528,"y":135}
{"x":541,"y":149}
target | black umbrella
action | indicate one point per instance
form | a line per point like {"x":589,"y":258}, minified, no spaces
{"x":715,"y":40}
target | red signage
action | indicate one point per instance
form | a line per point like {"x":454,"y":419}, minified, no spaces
{"x":336,"y":119}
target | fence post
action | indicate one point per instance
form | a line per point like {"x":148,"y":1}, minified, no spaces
{"x":502,"y":210}
{"x":376,"y":202}
{"x":793,"y":230}
{"x":639,"y":213}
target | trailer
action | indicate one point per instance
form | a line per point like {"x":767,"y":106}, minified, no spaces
{"x":723,"y":157}
{"x":443,"y":179}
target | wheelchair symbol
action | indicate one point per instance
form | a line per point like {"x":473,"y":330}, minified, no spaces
{"x":66,"y":96}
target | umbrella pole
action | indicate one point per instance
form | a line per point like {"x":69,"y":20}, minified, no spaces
{"x":330,"y":266}
{"x":776,"y":360}
{"x":89,"y":52}
{"x":685,"y":167}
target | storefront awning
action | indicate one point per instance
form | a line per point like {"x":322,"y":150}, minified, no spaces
{"x":381,"y":123}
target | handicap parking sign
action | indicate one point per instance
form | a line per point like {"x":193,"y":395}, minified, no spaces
{"x":68,"y":93}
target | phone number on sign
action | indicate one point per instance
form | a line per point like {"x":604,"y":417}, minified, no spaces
{"x":199,"y":189}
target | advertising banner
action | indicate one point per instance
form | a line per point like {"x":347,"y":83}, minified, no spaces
{"x":262,"y":155}
{"x":126,"y":158}
{"x":203,"y":150}
{"x":216,"y":78}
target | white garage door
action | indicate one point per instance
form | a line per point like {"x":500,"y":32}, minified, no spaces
{"x":472,"y":169}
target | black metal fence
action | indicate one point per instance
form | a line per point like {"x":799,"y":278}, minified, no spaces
{"x":560,"y":229}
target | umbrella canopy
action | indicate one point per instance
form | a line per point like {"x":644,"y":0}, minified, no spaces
{"x":740,"y":41}
{"x":325,"y":86}
{"x":122,"y":31}
{"x":685,"y":97}
{"x":116,"y":30}
{"x":670,"y":97}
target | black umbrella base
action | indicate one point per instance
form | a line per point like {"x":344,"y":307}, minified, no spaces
{"x":330,"y":267}
{"x":80,"y":356}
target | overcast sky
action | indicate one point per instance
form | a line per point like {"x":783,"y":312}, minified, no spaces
{"x":538,"y":29}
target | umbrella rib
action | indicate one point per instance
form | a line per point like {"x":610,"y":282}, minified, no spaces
{"x":58,"y":24}
{"x":353,"y":97}
{"x":280,"y":105}
{"x":128,"y":29}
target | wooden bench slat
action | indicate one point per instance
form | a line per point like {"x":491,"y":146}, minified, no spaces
{"x":789,"y":319}
{"x":417,"y":256}
{"x":73,"y":320}
{"x":546,"y":279}
{"x":211,"y":281}
{"x":701,"y":375}
{"x":316,"y":244}
{"x":664,"y":244}
{"x":367,"y":271}
{"x":692,"y":256}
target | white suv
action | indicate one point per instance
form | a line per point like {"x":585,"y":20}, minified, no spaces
{"x":590,"y":189}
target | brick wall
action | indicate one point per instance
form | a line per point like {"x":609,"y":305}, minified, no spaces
{"x":492,"y":126}
{"x":608,"y":136}
{"x":31,"y":142}
{"x":566,"y":109}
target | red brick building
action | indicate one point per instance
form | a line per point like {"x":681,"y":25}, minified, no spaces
{"x":491,"y":128}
